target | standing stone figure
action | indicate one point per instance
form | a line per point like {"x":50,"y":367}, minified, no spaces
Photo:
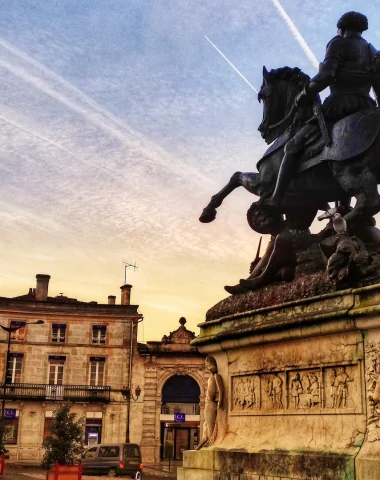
{"x":214,"y":399}
{"x":277,"y":391}
{"x":296,"y":390}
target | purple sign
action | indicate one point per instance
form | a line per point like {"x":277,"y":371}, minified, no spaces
{"x":9,"y":413}
{"x":179,"y":417}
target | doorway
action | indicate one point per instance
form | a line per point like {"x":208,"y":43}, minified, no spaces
{"x":176,"y":439}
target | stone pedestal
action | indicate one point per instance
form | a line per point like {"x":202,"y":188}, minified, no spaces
{"x":302,"y":383}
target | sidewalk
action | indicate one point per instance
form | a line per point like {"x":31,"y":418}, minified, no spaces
{"x":162,"y":469}
{"x":23,"y":472}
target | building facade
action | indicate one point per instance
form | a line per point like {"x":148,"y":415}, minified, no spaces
{"x":81,"y":353}
{"x":167,"y":418}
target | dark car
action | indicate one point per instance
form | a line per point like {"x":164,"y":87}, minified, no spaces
{"x":113,"y":460}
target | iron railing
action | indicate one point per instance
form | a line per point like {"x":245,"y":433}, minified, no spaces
{"x":33,"y":391}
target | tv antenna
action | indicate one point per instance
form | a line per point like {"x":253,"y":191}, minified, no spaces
{"x":129,"y":266}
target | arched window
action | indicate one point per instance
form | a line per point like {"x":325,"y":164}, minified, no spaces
{"x":181,"y":389}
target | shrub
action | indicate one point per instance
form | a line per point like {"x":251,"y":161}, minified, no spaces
{"x":65,"y":441}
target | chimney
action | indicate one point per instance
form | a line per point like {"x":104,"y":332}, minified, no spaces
{"x":42,"y":287}
{"x":126,"y":294}
{"x":111,"y":299}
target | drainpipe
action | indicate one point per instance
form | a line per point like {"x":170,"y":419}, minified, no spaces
{"x":127,"y":439}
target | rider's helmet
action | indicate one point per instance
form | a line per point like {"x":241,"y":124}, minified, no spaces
{"x":355,"y":21}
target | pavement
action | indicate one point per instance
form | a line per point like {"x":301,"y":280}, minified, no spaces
{"x":150,"y":472}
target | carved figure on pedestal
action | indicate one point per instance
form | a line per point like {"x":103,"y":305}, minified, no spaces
{"x":313,"y":390}
{"x":214,"y":401}
{"x":373,"y":378}
{"x":334,"y":388}
{"x":244,"y":395}
{"x":296,"y":390}
{"x":274,"y":390}
{"x":320,"y":153}
{"x":339,"y":384}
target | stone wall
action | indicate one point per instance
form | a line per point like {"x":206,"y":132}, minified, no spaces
{"x":302,"y":387}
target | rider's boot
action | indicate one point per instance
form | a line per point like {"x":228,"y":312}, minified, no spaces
{"x":285,"y":175}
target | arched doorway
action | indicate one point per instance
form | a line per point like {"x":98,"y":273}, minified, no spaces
{"x":179,"y":416}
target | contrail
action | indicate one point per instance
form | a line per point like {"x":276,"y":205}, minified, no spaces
{"x":95,"y":114}
{"x":81,"y":159}
{"x":232,"y":65}
{"x":296,"y":34}
{"x":17,"y":278}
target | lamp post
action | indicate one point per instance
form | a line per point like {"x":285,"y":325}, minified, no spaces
{"x":10,"y":330}
{"x":128,"y":396}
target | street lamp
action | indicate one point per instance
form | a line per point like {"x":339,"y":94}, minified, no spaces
{"x":128,"y":396}
{"x":10,"y":330}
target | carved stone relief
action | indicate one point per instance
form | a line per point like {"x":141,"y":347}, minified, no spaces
{"x":246,"y":392}
{"x":273,"y":391}
{"x":340,"y":387}
{"x":326,"y":390}
{"x":372,"y":351}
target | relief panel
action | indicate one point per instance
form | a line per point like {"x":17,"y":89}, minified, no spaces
{"x":326,"y":390}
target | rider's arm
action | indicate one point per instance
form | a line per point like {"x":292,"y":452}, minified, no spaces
{"x":327,"y":69}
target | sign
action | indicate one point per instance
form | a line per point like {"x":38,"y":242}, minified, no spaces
{"x":179,"y":417}
{"x":10,"y":413}
{"x":97,"y":359}
{"x":57,"y":357}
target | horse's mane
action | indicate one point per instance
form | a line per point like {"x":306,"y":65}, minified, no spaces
{"x":294,"y":75}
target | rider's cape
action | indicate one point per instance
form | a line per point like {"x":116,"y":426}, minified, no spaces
{"x":350,"y":137}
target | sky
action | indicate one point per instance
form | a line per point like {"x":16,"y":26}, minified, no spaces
{"x":118,"y":122}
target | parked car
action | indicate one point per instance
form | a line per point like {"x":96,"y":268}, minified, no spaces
{"x":113,"y":460}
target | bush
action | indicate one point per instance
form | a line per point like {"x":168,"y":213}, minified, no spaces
{"x":65,"y":442}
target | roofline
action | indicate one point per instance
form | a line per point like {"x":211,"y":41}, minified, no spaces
{"x":48,"y":307}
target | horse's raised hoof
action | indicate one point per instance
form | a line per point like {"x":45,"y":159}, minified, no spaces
{"x":208,"y":215}
{"x":249,"y":284}
{"x":235,"y":289}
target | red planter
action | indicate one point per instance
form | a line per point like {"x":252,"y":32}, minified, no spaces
{"x":2,"y":463}
{"x":65,"y":472}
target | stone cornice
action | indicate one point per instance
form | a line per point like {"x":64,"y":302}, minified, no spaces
{"x":325,"y":314}
{"x":9,"y":306}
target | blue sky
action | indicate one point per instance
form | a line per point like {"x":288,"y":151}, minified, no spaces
{"x":119,"y":121}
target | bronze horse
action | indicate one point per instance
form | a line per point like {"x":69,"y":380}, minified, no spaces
{"x":350,"y":167}
{"x":313,"y":187}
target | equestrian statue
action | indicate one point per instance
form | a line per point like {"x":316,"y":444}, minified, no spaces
{"x":319,"y":153}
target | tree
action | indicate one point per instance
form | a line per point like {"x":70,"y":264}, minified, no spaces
{"x":65,"y":442}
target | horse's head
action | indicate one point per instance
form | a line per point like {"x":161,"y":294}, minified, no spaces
{"x":278,"y":93}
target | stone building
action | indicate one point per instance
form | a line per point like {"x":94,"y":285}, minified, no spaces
{"x":168,"y":417}
{"x":81,"y":353}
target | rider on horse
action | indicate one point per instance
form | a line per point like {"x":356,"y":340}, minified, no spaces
{"x":346,"y":69}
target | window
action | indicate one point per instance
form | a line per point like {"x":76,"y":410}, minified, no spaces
{"x":97,"y":371}
{"x":47,"y":425}
{"x":58,"y":333}
{"x":56,"y":365}
{"x":109,"y":452}
{"x":14,"y":367}
{"x":10,"y":431}
{"x":91,"y":453}
{"x":99,"y":334}
{"x":20,"y":333}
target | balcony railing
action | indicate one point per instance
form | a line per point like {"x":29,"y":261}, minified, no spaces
{"x":33,"y":391}
{"x":187,"y":408}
